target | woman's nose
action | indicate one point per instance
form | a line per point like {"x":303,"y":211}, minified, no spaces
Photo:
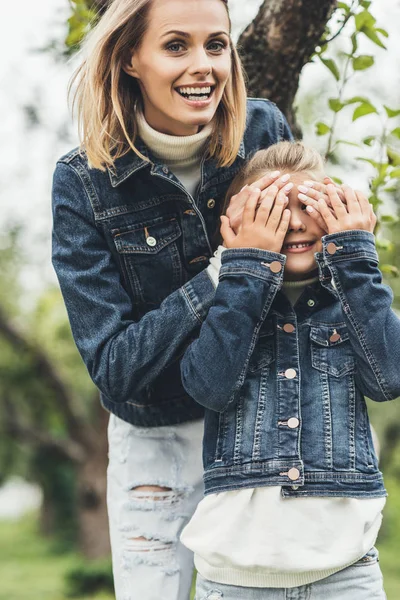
{"x":201,"y":62}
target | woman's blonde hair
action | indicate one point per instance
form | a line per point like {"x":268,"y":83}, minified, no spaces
{"x":293,"y":157}
{"x":106,"y":97}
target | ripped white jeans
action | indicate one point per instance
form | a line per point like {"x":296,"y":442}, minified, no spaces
{"x":149,"y":561}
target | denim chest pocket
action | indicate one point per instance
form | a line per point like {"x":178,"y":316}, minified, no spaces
{"x":149,"y":252}
{"x":331,"y":350}
{"x":264,"y":351}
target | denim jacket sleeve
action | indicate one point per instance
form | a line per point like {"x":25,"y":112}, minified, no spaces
{"x":214,"y":366}
{"x":121,"y":355}
{"x":374,"y":328}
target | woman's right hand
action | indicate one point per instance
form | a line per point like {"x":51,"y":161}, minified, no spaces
{"x":264,"y":228}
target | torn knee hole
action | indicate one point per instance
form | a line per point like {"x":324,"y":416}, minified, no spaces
{"x":152,"y":492}
{"x":143,"y":544}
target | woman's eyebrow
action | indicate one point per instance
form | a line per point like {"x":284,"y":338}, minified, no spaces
{"x":185,"y":34}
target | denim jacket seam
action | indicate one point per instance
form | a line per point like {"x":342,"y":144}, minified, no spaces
{"x":190,"y":304}
{"x":330,"y":259}
{"x":258,"y":274}
{"x":84,"y":177}
{"x":361,"y":338}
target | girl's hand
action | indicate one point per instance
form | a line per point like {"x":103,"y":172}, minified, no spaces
{"x":264,"y":228}
{"x":235,"y":209}
{"x":355,"y":213}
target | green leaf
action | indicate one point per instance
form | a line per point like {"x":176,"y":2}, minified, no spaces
{"x":373,"y":36}
{"x":354,"y":43}
{"x":348,"y":143}
{"x":396,"y":132}
{"x":366,"y":108}
{"x":322,"y":128}
{"x":391,"y":113}
{"x":370,"y":161}
{"x":382,"y":31}
{"x":389,"y":269}
{"x":335,"y":104}
{"x":382,"y":244}
{"x":394,"y":174}
{"x":362,"y":62}
{"x":355,"y":99}
{"x":365,"y":3}
{"x":364,"y":19}
{"x":393,"y":157}
{"x":337,"y":180}
{"x":332,"y":66}
{"x":368,"y":141}
{"x":344,"y":6}
{"x":389,"y":219}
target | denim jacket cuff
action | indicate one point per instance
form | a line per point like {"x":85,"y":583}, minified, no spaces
{"x":263,"y":264}
{"x":350,"y":244}
{"x":199,"y":293}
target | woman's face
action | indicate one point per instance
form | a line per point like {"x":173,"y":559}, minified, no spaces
{"x":183,"y":64}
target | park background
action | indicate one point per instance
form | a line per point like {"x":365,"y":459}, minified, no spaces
{"x":53,"y":542}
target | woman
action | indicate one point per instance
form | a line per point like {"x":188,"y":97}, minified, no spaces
{"x":162,"y":107}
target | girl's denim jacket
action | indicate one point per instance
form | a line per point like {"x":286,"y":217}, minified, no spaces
{"x":130,"y":247}
{"x":284,"y":387}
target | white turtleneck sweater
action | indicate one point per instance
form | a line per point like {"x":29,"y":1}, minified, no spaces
{"x":254,"y":537}
{"x":181,"y":154}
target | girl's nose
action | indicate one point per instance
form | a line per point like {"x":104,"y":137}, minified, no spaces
{"x":296,"y":222}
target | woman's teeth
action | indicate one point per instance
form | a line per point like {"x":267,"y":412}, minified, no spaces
{"x":195,"y":93}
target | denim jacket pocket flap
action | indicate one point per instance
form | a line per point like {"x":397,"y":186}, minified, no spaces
{"x":146,"y":238}
{"x":264,"y":352}
{"x":331,"y":350}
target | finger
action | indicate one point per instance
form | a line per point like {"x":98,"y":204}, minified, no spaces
{"x":267,"y":180}
{"x":250,"y":207}
{"x":266,"y":204}
{"x":226,"y":231}
{"x":284,"y":224}
{"x":317,"y":190}
{"x":363,"y":202}
{"x":353,"y":205}
{"x":277,"y":211}
{"x":329,"y":218}
{"x":317,"y":217}
{"x":307,"y":201}
{"x":336,"y":203}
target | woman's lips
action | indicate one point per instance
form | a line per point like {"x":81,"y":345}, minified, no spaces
{"x":197,"y":103}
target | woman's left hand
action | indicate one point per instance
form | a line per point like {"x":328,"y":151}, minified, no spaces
{"x":352,"y":212}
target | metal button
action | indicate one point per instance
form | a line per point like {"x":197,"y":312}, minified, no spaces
{"x":150,"y":241}
{"x":211,"y":203}
{"x":275,"y":266}
{"x":293,"y":474}
{"x":165,"y":170}
{"x":293,"y":422}
{"x":288,"y":328}
{"x":295,"y":487}
{"x":335,"y":337}
{"x":290,"y":373}
{"x":331,"y":248}
{"x":311,"y":302}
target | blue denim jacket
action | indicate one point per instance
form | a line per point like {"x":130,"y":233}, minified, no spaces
{"x":284,"y":387}
{"x":130,"y":247}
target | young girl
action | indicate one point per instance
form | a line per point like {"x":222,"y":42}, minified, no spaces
{"x":301,"y":328}
{"x":165,"y":127}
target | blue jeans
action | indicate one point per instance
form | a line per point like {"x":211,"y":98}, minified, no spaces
{"x":361,"y":581}
{"x":149,"y":561}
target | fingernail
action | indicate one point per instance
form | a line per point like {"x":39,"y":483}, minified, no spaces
{"x":303,"y":197}
{"x":309,"y":209}
{"x":257,"y":190}
{"x":285,"y":178}
{"x":302,"y":188}
{"x":275,"y":173}
{"x":309,"y":183}
{"x":288,"y":187}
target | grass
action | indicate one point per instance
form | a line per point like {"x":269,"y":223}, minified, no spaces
{"x":32,"y":569}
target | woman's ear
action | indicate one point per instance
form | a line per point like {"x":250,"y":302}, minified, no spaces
{"x":130,"y":65}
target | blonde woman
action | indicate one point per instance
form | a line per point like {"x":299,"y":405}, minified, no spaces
{"x":162,"y":110}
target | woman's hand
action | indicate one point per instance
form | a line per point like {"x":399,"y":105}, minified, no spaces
{"x":354,"y":212}
{"x":263,"y":228}
{"x":235,"y":210}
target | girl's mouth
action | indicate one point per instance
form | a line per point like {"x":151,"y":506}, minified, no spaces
{"x":297,"y":247}
{"x":196,"y":96}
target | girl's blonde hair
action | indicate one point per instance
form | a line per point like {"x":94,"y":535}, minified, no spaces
{"x":106,"y":97}
{"x":293,"y":157}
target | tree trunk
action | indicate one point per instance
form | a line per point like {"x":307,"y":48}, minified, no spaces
{"x":94,"y":541}
{"x":278,"y":43}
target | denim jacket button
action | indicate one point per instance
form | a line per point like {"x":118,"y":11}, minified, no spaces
{"x":335,"y":337}
{"x":293,"y":474}
{"x":288,"y":328}
{"x":211,"y":203}
{"x":293,"y":423}
{"x":311,"y":302}
{"x":331,"y":248}
{"x":275,"y":266}
{"x":165,"y":170}
{"x":290,"y":373}
{"x":150,"y":241}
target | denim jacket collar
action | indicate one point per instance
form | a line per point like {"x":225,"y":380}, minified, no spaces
{"x":128,"y":164}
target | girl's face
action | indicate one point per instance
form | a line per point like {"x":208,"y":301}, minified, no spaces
{"x":183,"y":64}
{"x":303,"y":237}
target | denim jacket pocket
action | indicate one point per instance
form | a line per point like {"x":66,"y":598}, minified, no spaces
{"x":264,"y":352}
{"x":150,"y":255}
{"x":331,"y":350}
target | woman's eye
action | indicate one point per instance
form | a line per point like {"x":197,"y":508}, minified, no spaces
{"x":175,"y":47}
{"x":216,"y":46}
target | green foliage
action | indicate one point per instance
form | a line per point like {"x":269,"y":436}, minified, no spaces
{"x":81,"y":20}
{"x":89,"y":578}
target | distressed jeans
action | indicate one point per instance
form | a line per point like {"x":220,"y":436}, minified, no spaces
{"x":361,"y":581}
{"x":157,"y":566}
